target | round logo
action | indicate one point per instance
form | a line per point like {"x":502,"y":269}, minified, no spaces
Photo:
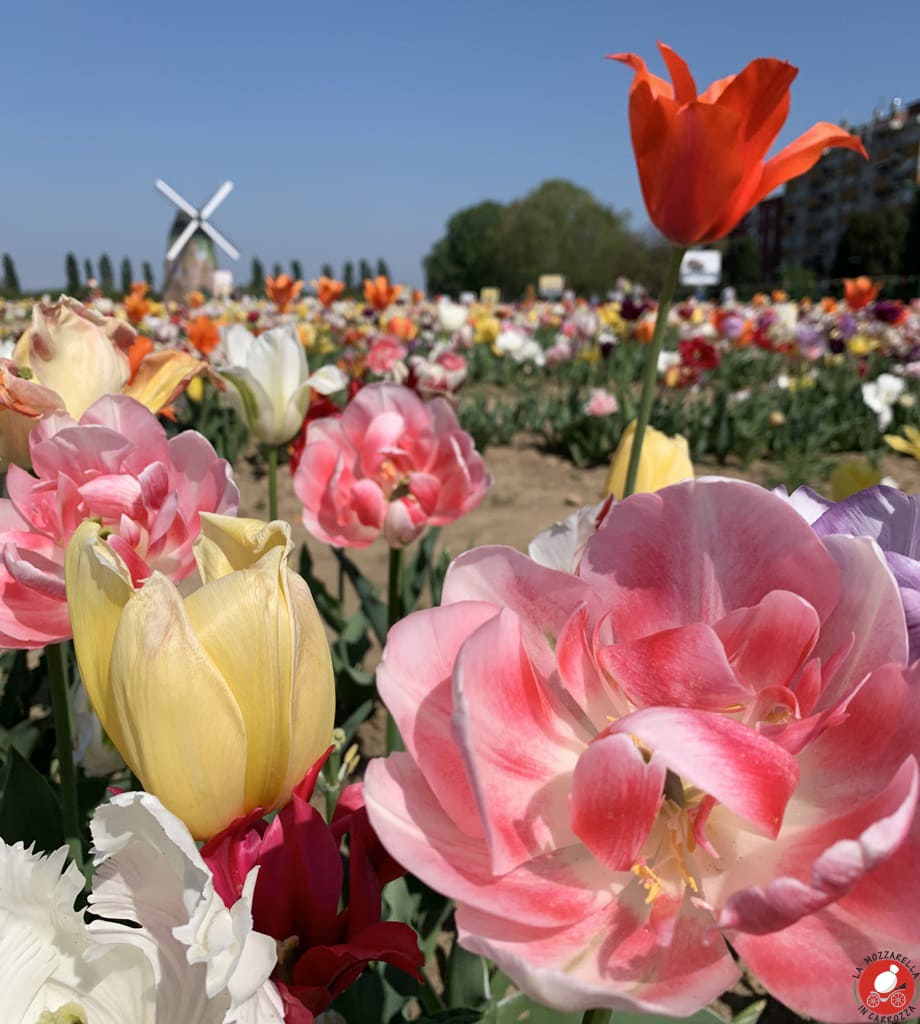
{"x":885,"y":986}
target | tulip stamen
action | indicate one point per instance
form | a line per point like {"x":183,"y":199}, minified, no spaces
{"x":649,"y":880}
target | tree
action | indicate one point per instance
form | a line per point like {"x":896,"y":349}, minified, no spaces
{"x":88,"y":271}
{"x":106,"y":275}
{"x":383,"y":269}
{"x":466,"y":258}
{"x":872,"y":243}
{"x":147,"y":271}
{"x":276,"y":270}
{"x":741,"y":264}
{"x":561,"y":228}
{"x":257,"y":277}
{"x":348,"y":275}
{"x":296,"y":270}
{"x":364,"y":271}
{"x":72,"y":272}
{"x":327,"y":271}
{"x":910,"y":250}
{"x":10,"y":277}
{"x":127,"y":275}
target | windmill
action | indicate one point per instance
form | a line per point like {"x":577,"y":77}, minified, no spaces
{"x":191,"y":258}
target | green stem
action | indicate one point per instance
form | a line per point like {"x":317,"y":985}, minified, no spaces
{"x":650,"y":373}
{"x":273,"y":483}
{"x":597,"y":1016}
{"x":56,"y":656}
{"x":394,"y":614}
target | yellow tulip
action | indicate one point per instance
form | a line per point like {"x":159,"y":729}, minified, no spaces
{"x":664,"y":461}
{"x":907,"y":445}
{"x":219,"y":702}
{"x":852,"y":475}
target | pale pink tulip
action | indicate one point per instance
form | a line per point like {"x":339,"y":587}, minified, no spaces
{"x":706,"y":732}
{"x":391,"y":464}
{"x":385,"y":354}
{"x":116,"y":465}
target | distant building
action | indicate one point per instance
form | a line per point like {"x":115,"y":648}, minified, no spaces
{"x":765,"y":225}
{"x":818,"y":204}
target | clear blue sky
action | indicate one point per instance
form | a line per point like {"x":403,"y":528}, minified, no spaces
{"x":356,"y":129}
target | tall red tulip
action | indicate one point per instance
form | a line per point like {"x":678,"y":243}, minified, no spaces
{"x":701,"y":156}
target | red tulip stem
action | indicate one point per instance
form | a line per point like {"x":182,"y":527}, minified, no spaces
{"x":56,"y":660}
{"x":273,"y":483}
{"x":650,"y":374}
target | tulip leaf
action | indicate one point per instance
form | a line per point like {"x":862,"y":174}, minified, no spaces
{"x":371,"y":604}
{"x":29,"y":808}
{"x":467,"y":982}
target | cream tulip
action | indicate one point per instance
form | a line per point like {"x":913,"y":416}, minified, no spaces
{"x":219,"y":702}
{"x":271,"y":382}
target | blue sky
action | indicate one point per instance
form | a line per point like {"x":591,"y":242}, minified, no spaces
{"x":356,"y":129}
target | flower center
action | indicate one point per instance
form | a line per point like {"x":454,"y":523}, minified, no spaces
{"x":69,"y":1013}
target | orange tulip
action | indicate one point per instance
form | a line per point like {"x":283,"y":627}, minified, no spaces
{"x":203,"y":334}
{"x":195,"y":299}
{"x":137,"y":305}
{"x":137,"y":353}
{"x":860,"y":291}
{"x":402,"y":327}
{"x":701,"y":157}
{"x":778,"y":295}
{"x":282,"y":290}
{"x":380,"y":293}
{"x":328,"y":289}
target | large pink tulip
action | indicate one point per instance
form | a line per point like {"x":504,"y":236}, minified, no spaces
{"x":116,"y":465}
{"x":705,"y":732}
{"x":391,"y":464}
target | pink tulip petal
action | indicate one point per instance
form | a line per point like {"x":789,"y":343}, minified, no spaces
{"x":369,"y":503}
{"x":869,"y":606}
{"x":767,"y":645}
{"x":559,"y":888}
{"x":111,"y":496}
{"x":415,"y":682}
{"x":698,"y":550}
{"x":520,"y":776}
{"x":847,"y":849}
{"x":683,"y":667}
{"x":615,"y":798}
{"x":620,"y":957}
{"x":741,"y":769}
{"x":35,"y":570}
{"x":581,"y":677}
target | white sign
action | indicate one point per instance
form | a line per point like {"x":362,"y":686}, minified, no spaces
{"x":551,"y":286}
{"x":222,"y":283}
{"x":701,"y":267}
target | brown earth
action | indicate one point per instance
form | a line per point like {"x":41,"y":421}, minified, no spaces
{"x":531,"y":490}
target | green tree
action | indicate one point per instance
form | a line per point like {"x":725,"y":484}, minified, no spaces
{"x":365,"y":273}
{"x":88,"y":271}
{"x":297,"y":270}
{"x":106,"y":274}
{"x":872,"y":243}
{"x":348,"y":276}
{"x":561,"y":228}
{"x":383,"y":269}
{"x":72,"y":272}
{"x":741,"y":263}
{"x":276,"y":270}
{"x":798,"y":281}
{"x":910,"y":250}
{"x":257,"y":277}
{"x":147,"y":271}
{"x":127,"y":275}
{"x":466,"y":258}
{"x":327,"y":271}
{"x":10,"y":277}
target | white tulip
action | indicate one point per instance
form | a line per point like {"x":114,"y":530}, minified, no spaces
{"x":270,"y":381}
{"x":881,"y":394}
{"x":452,"y":315}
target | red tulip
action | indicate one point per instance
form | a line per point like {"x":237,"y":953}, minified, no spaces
{"x":701,"y":157}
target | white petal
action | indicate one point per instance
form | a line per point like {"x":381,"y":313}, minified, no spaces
{"x":328,"y":379}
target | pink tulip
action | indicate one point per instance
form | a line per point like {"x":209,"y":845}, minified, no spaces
{"x":385,"y":354}
{"x":601,"y":403}
{"x":391,"y":464}
{"x":704,"y":732}
{"x":116,"y":465}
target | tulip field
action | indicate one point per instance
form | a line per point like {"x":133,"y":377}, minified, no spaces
{"x":379,"y":657}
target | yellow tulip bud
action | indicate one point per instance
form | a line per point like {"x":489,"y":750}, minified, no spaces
{"x":219,"y":702}
{"x":195,"y":390}
{"x":664,"y":461}
{"x":852,"y":475}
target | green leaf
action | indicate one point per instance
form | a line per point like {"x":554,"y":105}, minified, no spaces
{"x":29,"y":808}
{"x":371,"y":605}
{"x":467,"y":982}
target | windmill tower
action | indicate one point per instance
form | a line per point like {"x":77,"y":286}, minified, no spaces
{"x":191,"y":258}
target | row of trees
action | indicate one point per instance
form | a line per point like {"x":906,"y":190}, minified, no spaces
{"x":558,"y":228}
{"x":77,"y":283}
{"x":353,"y":282}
